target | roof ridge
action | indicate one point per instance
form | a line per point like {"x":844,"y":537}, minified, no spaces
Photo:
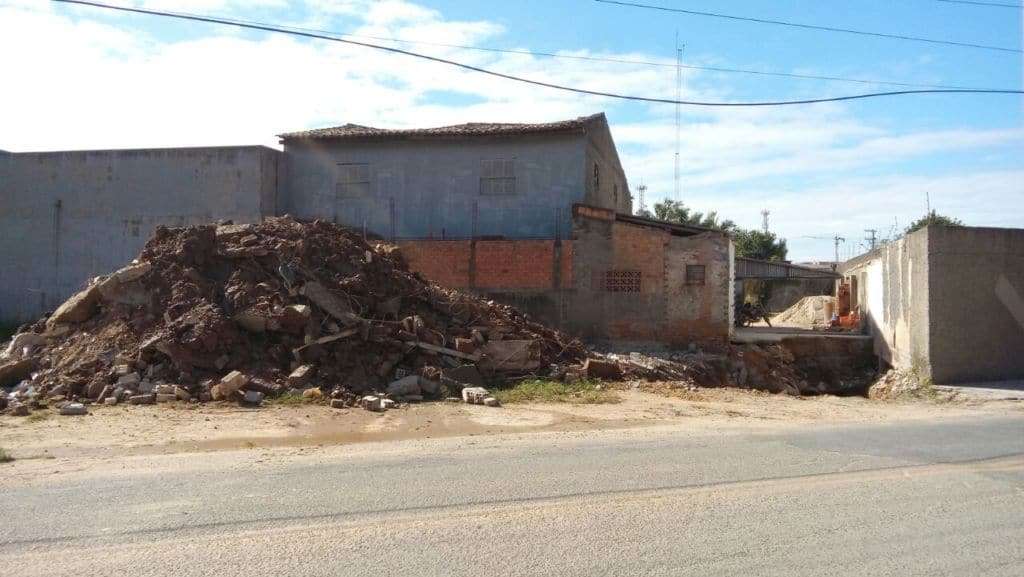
{"x":351,"y":130}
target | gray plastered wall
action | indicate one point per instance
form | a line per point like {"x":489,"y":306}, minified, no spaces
{"x":69,"y":216}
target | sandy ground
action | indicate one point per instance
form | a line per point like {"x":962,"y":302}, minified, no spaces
{"x":183,"y":428}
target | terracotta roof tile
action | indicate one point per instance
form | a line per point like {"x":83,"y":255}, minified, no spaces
{"x":356,"y":131}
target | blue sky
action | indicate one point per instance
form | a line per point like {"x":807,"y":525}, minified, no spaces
{"x":93,"y":79}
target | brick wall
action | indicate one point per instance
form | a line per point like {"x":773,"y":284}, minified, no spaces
{"x":521,"y":264}
{"x":445,"y":262}
{"x":498,"y":265}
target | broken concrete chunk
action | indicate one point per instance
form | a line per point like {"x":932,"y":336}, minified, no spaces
{"x":74,"y":409}
{"x":253,"y":398}
{"x":165,"y":398}
{"x":128,"y":380}
{"x":79,"y":308}
{"x":146,"y":399}
{"x":329,"y":302}
{"x":182,"y":393}
{"x":229,"y":384}
{"x":123,"y":369}
{"x":372,"y":403}
{"x":599,"y":369}
{"x":491,"y":402}
{"x":120,"y":286}
{"x":388,"y":403}
{"x":300,"y":376}
{"x":408,"y":385}
{"x":13,"y":372}
{"x":21,"y":345}
{"x":338,"y":403}
{"x":313,"y":394}
{"x":511,"y":355}
{"x":110,"y":401}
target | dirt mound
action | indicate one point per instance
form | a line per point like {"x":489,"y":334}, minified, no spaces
{"x":241,"y":311}
{"x":808,"y":312}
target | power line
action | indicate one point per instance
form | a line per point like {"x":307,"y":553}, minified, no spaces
{"x":270,"y":28}
{"x":580,"y":57}
{"x":992,"y":4}
{"x":814,"y":27}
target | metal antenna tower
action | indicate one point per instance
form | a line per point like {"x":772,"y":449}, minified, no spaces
{"x":764,"y":219}
{"x":679,"y":96}
{"x":643,"y":196}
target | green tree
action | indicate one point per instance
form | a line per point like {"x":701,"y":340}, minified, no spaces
{"x":933,"y":219}
{"x":675,"y":211}
{"x":759,"y":244}
{"x":749,"y":243}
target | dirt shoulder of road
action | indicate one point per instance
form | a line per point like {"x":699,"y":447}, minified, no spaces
{"x":110,"y":431}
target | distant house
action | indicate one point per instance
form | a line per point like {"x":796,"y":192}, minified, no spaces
{"x":494,"y":180}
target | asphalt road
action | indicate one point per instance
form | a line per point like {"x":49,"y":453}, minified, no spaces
{"x":916,"y":498}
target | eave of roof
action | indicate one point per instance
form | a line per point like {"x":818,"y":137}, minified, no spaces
{"x":471,"y":129}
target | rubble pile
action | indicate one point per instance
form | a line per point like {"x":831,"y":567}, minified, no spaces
{"x":767,"y":368}
{"x":808,"y":312}
{"x":905,"y":384}
{"x":241,"y":312}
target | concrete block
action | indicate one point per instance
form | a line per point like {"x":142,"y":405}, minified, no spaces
{"x":144,"y":399}
{"x":372,"y":403}
{"x":74,"y":409}
{"x":474,"y":395}
{"x":128,"y":380}
{"x":300,"y":376}
{"x":408,"y":385}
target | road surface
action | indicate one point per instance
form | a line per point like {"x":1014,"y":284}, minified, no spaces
{"x":935,"y":497}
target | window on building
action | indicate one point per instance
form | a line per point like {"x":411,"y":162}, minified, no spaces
{"x":622,"y":281}
{"x":353,"y":180}
{"x":498,"y":176}
{"x":694,"y":274}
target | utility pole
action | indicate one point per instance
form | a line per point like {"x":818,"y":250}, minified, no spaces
{"x":764,"y":219}
{"x":873,"y":238}
{"x":643,"y":193}
{"x":837,"y":239}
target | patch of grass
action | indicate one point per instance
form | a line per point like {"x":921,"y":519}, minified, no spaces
{"x":37,"y":416}
{"x":5,"y":457}
{"x":290,"y":400}
{"x":546,"y":391}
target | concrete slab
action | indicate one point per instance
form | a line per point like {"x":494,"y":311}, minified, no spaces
{"x":756,"y":335}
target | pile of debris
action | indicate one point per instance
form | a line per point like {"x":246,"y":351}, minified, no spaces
{"x":897,"y":384}
{"x":809,"y":312}
{"x":239,"y":312}
{"x":766,"y":368}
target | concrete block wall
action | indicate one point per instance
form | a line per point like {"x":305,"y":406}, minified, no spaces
{"x":892,"y":294}
{"x":431,"y":189}
{"x":976,"y":304}
{"x":947,"y":301}
{"x":68,"y":216}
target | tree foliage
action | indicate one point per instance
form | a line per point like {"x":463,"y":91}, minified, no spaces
{"x":675,"y":211}
{"x":753,"y":243}
{"x":933,"y":219}
{"x":749,"y":243}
